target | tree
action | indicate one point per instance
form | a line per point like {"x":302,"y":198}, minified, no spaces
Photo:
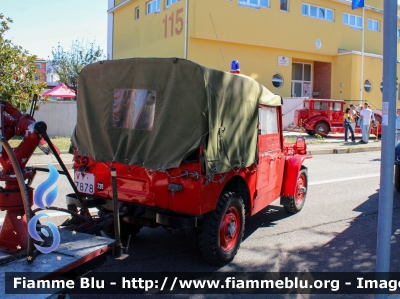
{"x":68,"y":64}
{"x":17,"y":71}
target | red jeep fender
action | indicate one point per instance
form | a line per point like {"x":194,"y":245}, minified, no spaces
{"x":312,"y":121}
{"x":292,"y":168}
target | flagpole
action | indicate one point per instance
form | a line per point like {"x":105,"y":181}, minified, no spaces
{"x":362,"y":59}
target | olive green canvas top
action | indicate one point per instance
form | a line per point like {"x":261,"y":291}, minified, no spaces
{"x":154,"y":112}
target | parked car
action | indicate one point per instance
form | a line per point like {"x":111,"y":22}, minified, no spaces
{"x":321,"y":116}
{"x":192,"y":148}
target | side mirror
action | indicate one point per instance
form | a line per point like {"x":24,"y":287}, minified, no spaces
{"x":300,"y":146}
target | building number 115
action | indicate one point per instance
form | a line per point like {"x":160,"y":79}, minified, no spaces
{"x":176,"y":23}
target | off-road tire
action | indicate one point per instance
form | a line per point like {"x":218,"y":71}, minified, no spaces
{"x":397,"y":177}
{"x":229,"y":214}
{"x":126,"y":229}
{"x":321,"y":128}
{"x":296,"y":204}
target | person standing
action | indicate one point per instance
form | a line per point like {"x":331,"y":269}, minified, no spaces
{"x":397,"y":127}
{"x":365,"y":115}
{"x":353,"y":112}
{"x":348,"y":116}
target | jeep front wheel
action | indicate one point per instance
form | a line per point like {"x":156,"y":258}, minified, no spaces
{"x":321,"y":128}
{"x":222,"y":230}
{"x":297,"y":202}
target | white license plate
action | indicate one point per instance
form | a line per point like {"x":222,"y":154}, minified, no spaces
{"x":84,"y":182}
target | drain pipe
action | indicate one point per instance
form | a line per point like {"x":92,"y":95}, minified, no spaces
{"x":185,"y":45}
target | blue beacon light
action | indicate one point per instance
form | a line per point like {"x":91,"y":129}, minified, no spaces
{"x":235,"y":67}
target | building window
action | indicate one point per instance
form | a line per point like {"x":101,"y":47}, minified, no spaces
{"x":373,"y":25}
{"x":277,"y":80}
{"x":352,"y":21}
{"x":335,"y":106}
{"x":153,"y":6}
{"x":38,"y":66}
{"x":254,"y":3}
{"x":317,"y":12}
{"x":169,"y":2}
{"x":367,"y":86}
{"x":136,"y":13}
{"x":37,"y":78}
{"x":284,"y":5}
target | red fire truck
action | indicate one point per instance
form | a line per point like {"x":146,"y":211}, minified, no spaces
{"x":320,"y":116}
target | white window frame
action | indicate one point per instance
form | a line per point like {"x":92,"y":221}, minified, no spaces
{"x":287,"y":5}
{"x":168,"y":3}
{"x":137,"y":13}
{"x":372,"y":27}
{"x":319,"y":14}
{"x":152,"y":7}
{"x":348,"y":23}
{"x":248,"y":3}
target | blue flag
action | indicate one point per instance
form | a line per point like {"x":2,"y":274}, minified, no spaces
{"x":357,"y":4}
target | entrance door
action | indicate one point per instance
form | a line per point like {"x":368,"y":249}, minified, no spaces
{"x":301,"y":79}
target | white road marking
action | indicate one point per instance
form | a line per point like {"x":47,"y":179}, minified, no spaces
{"x":345,"y":179}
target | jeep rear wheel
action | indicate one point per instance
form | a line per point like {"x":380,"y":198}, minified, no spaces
{"x":321,"y":128}
{"x":126,"y":229}
{"x":297,"y":202}
{"x":222,"y":230}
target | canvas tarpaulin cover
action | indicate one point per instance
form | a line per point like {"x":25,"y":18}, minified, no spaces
{"x":153,"y":112}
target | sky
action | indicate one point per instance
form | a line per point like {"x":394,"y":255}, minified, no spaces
{"x":40,"y":25}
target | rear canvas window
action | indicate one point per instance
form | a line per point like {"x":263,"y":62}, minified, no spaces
{"x":134,"y":109}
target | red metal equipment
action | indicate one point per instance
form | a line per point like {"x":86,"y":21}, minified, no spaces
{"x":13,"y":235}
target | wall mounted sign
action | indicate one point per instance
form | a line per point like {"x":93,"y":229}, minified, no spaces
{"x":283,"y":60}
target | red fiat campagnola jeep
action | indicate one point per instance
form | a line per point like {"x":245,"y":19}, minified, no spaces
{"x":192,"y":147}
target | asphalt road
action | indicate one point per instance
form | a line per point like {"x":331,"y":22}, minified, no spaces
{"x":335,"y":231}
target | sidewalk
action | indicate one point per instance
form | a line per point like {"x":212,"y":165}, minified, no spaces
{"x":343,"y":148}
{"x":334,"y":144}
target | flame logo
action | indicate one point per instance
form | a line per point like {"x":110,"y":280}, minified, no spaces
{"x":33,"y":233}
{"x":38,"y":200}
{"x":43,"y":187}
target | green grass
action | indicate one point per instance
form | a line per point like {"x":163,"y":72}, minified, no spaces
{"x":309,"y":139}
{"x":62,"y":143}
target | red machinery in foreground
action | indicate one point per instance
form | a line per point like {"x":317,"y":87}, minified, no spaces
{"x":16,"y":198}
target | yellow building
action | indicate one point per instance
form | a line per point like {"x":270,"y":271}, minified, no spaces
{"x":310,"y":48}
